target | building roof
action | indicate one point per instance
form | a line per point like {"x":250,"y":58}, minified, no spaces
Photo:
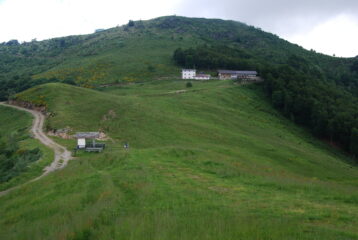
{"x":87,"y":135}
{"x":237,"y":72}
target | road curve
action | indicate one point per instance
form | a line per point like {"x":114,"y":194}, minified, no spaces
{"x":62,"y":155}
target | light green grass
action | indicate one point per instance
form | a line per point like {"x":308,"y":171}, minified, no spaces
{"x":161,"y":87}
{"x":216,"y":162}
{"x":122,"y":56}
{"x":13,"y":120}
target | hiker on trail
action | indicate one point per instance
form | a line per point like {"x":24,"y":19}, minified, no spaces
{"x":126,"y":146}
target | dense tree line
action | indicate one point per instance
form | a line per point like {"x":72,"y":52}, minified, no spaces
{"x":328,"y":110}
{"x":19,"y":62}
{"x":301,"y":90}
{"x":208,"y":57}
{"x":11,"y":86}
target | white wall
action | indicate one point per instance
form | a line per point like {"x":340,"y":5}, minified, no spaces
{"x":188,"y":74}
{"x":81,"y":143}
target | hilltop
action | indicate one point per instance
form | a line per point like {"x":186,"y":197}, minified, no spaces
{"x":142,"y":50}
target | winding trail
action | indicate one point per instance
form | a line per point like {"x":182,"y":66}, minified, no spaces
{"x":62,"y":155}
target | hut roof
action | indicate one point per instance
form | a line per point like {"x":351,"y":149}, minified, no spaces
{"x":87,"y":135}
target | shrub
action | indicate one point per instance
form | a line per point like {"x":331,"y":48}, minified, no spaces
{"x":131,"y":23}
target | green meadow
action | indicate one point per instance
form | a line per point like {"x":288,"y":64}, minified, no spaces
{"x":213,"y":162}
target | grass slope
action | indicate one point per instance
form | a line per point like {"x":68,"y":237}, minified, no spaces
{"x":15,"y":121}
{"x":215,"y":162}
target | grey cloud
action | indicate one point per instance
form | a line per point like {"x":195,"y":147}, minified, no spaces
{"x":279,"y":16}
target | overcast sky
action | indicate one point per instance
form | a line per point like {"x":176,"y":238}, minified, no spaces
{"x":327,"y":26}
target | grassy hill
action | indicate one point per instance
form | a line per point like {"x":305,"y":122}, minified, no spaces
{"x":315,"y":90}
{"x":144,"y":51}
{"x":215,"y":161}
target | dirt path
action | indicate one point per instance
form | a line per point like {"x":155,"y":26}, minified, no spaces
{"x":62,"y":155}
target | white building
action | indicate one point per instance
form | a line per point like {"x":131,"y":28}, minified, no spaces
{"x":188,"y":74}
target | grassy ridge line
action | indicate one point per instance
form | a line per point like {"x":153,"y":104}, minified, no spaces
{"x":213,"y":164}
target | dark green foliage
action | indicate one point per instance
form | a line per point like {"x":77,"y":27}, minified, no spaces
{"x":354,"y":66}
{"x":151,"y":68}
{"x":278,"y":99}
{"x":304,"y":95}
{"x":12,"y":43}
{"x":131,"y":23}
{"x":354,"y":142}
{"x":210,"y":57}
{"x":20,"y":83}
{"x":13,"y":159}
{"x":189,"y":85}
{"x":19,"y":62}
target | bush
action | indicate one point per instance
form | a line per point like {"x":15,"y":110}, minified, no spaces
{"x":189,"y":84}
{"x":131,"y":23}
{"x":13,"y":160}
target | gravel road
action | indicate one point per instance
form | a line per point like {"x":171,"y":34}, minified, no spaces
{"x":62,"y":155}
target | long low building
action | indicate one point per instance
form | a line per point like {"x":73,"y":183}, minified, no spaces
{"x":231,"y":74}
{"x":202,"y":76}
